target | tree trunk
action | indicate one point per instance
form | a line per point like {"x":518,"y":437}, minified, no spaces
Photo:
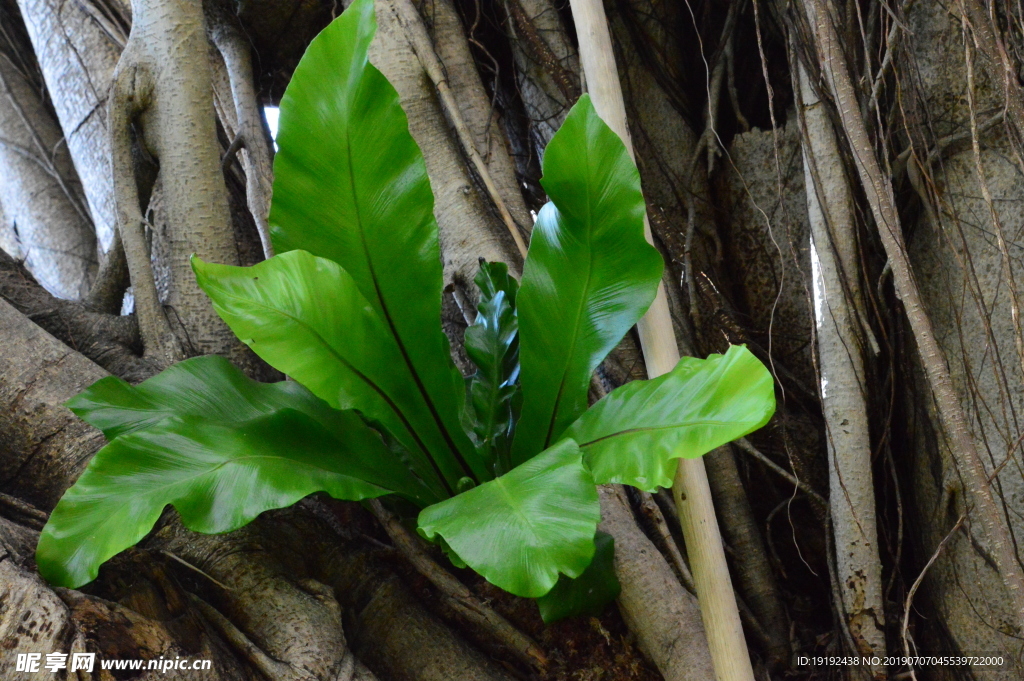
{"x":77,"y":54}
{"x":40,"y":192}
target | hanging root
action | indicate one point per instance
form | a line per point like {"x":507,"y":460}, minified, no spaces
{"x":904,"y":634}
{"x":879,"y":195}
{"x":259,"y":660}
{"x":709,"y":139}
{"x":754,"y":578}
{"x":250,"y":135}
{"x":650,"y":509}
{"x":832,"y":217}
{"x":107,"y":292}
{"x":547,"y":66}
{"x":266,"y":602}
{"x":748,"y":448}
{"x":981,"y":26}
{"x":567,"y":82}
{"x":129,"y":97}
{"x":997,"y":223}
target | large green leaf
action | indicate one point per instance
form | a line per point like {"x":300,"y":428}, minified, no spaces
{"x":209,"y":386}
{"x":636,"y":432}
{"x":519,"y":531}
{"x":218,"y":477}
{"x":214,"y":391}
{"x":590,"y":274}
{"x":589,"y":593}
{"x":350,"y":185}
{"x":492,"y":343}
{"x":306,"y":317}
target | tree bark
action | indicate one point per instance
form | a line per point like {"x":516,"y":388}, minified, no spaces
{"x":112,"y":341}
{"x":163,"y":82}
{"x":270,"y":591}
{"x":45,"y":446}
{"x":715,"y":103}
{"x":663,"y":615}
{"x":468,"y":229}
{"x":882,"y":202}
{"x":547,"y":65}
{"x":40,"y":192}
{"x":843,"y":382}
{"x":249,"y":130}
{"x":751,"y":566}
{"x":77,"y":59}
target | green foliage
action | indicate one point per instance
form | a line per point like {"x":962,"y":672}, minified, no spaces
{"x":210,"y":387}
{"x":221,"y":454}
{"x":492,"y":344}
{"x":521,"y":529}
{"x":589,"y":277}
{"x":588,"y":593}
{"x":350,"y":185}
{"x":636,"y":432}
{"x":336,"y":345}
{"x":502,"y":465}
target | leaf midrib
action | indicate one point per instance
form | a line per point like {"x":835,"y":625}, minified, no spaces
{"x":376,"y":388}
{"x":652,"y":429}
{"x":580,"y":307}
{"x":153,"y":491}
{"x":394,"y":331}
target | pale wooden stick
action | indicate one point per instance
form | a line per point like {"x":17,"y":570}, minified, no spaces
{"x":657,"y":339}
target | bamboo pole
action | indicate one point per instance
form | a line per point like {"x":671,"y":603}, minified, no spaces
{"x":658,"y":342}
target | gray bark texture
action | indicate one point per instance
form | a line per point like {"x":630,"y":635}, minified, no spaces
{"x":49,"y":223}
{"x":468,"y":229}
{"x":77,"y":59}
{"x":965,"y":286}
{"x":652,"y":596}
{"x":843,"y":384}
{"x":165,"y":75}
